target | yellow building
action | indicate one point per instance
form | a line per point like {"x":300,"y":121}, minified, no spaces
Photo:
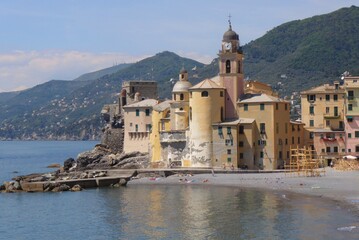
{"x":138,"y":125}
{"x":323,"y":115}
{"x":272,"y":133}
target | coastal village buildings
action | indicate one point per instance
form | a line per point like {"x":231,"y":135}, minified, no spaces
{"x":219,"y":122}
{"x":226,"y":122}
{"x":331,"y":117}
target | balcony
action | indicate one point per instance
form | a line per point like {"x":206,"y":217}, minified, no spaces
{"x":332,"y":116}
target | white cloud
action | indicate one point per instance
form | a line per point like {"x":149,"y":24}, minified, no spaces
{"x":24,"y":69}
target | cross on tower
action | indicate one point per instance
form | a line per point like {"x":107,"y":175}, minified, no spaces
{"x":229,"y":21}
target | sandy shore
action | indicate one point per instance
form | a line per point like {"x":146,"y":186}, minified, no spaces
{"x":337,"y":185}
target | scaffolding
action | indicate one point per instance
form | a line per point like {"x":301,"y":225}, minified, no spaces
{"x":304,"y":161}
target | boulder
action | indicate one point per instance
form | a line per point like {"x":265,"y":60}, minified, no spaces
{"x":68,"y":163}
{"x":61,"y":188}
{"x":76,"y":188}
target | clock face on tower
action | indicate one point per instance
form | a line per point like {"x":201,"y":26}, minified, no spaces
{"x":228,"y":46}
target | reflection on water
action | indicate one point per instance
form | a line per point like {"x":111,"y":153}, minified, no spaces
{"x":207,"y":212}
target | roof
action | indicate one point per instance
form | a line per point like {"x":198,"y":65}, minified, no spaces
{"x":181,"y":86}
{"x":257,"y":98}
{"x":162,"y":106}
{"x":230,"y":35}
{"x":298,"y":123}
{"x":206,"y":84}
{"x":143,"y":103}
{"x":325,"y":88}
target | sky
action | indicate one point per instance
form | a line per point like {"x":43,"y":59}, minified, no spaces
{"x":41,"y":40}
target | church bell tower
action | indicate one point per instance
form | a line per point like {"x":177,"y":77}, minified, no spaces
{"x":231,"y":71}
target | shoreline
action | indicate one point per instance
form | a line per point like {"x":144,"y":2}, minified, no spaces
{"x":340,"y":186}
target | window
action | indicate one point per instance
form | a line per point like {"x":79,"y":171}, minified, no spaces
{"x":287,"y":154}
{"x":190,"y":113}
{"x":336,"y":111}
{"x":350,"y":95}
{"x":349,"y":135}
{"x":240,"y":144}
{"x":277,"y":128}
{"x":261,"y":155}
{"x":136,"y":128}
{"x":328,"y":149}
{"x":311,"y":98}
{"x":229,"y":142}
{"x":311,"y":109}
{"x":311,"y":135}
{"x":245,"y":107}
{"x":228,"y":66}
{"x":241,"y":129}
{"x":350,"y":119}
{"x":137,"y":112}
{"x":292,"y":140}
{"x":357,"y":148}
{"x":280,"y":154}
{"x":262,"y":128}
{"x":241,"y":156}
{"x":229,"y":159}
{"x":220,"y":132}
{"x":261,"y":106}
{"x":286,"y":106}
{"x":276,"y":106}
{"x":204,"y":94}
{"x":174,"y":96}
{"x":356,"y":134}
{"x":323,"y":150}
{"x":147,"y":112}
{"x":327,"y":123}
{"x":181,"y":97}
{"x":311,"y":123}
{"x":148,"y":127}
{"x":327,"y":97}
{"x":335,"y":97}
{"x":298,"y":140}
{"x":327,"y":109}
{"x":229,"y":151}
{"x":350,"y":107}
{"x":221,"y":93}
{"x":239,"y":67}
{"x":335,"y":149}
{"x":222,"y":114}
{"x":349,"y":150}
{"x":229,"y":131}
{"x":286,"y":141}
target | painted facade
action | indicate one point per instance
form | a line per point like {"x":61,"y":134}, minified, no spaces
{"x":351,"y":84}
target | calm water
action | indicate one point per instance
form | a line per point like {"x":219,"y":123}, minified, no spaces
{"x":156,"y":212}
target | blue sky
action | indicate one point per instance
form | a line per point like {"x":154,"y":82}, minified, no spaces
{"x":42,"y":40}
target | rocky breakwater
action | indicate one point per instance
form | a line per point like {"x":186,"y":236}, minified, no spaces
{"x":96,"y":168}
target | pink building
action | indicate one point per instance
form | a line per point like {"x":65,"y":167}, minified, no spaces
{"x":352,"y":131}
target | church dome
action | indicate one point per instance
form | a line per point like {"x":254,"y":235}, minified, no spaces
{"x":181,"y":86}
{"x":230,"y":35}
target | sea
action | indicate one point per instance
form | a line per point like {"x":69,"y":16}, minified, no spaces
{"x":157,"y":211}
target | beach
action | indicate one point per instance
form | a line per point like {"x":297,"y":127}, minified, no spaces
{"x":337,"y":185}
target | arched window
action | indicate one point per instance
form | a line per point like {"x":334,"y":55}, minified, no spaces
{"x":174,"y":96}
{"x":204,"y":94}
{"x":239,"y":66}
{"x":228,"y":66}
{"x":181,"y":109}
{"x":181,"y":96}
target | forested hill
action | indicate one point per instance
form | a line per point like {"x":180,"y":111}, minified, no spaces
{"x":308,"y":52}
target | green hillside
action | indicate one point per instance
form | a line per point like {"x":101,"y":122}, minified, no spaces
{"x":71,"y":109}
{"x":97,"y":74}
{"x":308,"y":52}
